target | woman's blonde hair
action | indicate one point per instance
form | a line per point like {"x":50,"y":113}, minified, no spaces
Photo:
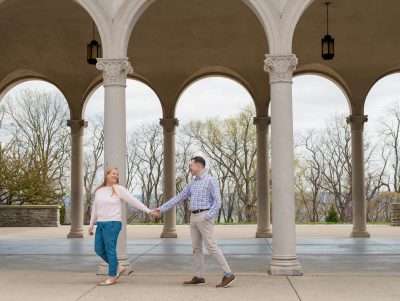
{"x":107,"y":172}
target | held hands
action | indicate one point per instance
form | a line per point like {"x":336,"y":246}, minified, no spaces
{"x":155,"y":213}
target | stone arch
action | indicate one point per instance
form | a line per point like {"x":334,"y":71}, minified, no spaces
{"x":101,"y":17}
{"x":115,"y":35}
{"x":279,"y":21}
{"x":330,"y":74}
{"x":392,"y":71}
{"x":214,"y":71}
{"x":377,"y":79}
{"x":22,"y":75}
{"x":133,"y":10}
{"x":98,"y":81}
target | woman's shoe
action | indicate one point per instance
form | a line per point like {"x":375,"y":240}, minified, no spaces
{"x":108,"y":281}
{"x":120,"y":273}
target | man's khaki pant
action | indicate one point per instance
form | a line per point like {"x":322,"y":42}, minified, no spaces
{"x":203,"y":230}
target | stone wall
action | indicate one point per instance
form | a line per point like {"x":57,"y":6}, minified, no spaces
{"x":30,"y":216}
{"x":395,"y":214}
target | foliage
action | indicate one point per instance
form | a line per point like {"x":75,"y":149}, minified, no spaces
{"x":230,"y":146}
{"x":145,"y":166}
{"x":62,"y":214}
{"x":35,"y":155}
{"x":332,"y":216}
{"x":35,"y":151}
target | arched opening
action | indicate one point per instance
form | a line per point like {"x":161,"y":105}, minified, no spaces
{"x":322,"y":151}
{"x":34,"y":145}
{"x":144,"y":146}
{"x":216,"y":121}
{"x":382,"y":132}
{"x":316,"y":99}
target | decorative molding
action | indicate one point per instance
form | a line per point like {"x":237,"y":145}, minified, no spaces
{"x":77,"y":126}
{"x":115,"y":71}
{"x":169,"y":124}
{"x":262,"y":121}
{"x":357,"y":121}
{"x":280,"y":67}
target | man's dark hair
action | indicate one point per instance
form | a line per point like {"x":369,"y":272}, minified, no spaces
{"x":200,"y":160}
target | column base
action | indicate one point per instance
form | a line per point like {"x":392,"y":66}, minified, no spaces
{"x":360,"y":234}
{"x":264,"y":233}
{"x":285,"y":266}
{"x":169,"y":234}
{"x":102,"y":269}
{"x":78,"y":234}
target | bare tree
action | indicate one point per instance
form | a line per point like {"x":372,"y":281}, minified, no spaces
{"x":324,"y":177}
{"x":309,"y":178}
{"x":335,"y":151}
{"x":93,"y":162}
{"x":145,"y":165}
{"x":390,"y":131}
{"x":36,"y":121}
{"x":185,"y":152}
{"x":230,"y":144}
{"x":383,"y":181}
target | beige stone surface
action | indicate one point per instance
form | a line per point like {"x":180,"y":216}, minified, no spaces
{"x":41,"y":264}
{"x":221,"y":231}
{"x":347,"y":288}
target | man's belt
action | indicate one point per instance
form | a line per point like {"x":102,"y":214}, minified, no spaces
{"x":199,"y":210}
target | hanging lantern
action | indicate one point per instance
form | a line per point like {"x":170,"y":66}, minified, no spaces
{"x":327,"y":42}
{"x":328,"y":47}
{"x":93,"y":50}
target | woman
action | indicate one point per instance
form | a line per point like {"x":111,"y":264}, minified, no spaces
{"x":106,"y":214}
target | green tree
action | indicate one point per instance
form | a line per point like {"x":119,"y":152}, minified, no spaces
{"x":332,"y":216}
{"x":35,"y":150}
{"x":230,"y":145}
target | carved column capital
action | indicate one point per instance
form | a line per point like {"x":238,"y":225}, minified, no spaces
{"x":357,"y":121}
{"x":169,"y":124}
{"x":77,"y":126}
{"x":262,"y":122}
{"x":115,"y":71}
{"x":280,"y":67}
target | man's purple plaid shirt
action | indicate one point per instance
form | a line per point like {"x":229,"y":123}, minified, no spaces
{"x":203,"y":193}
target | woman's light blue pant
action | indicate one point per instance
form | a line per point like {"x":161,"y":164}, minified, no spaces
{"x":105,"y":244}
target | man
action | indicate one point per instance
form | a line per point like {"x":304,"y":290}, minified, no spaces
{"x":205,"y":201}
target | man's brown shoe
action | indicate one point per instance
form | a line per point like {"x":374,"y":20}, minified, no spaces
{"x":226,"y":281}
{"x":195,"y":281}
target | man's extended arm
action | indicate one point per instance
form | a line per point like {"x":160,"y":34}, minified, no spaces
{"x":185,"y":193}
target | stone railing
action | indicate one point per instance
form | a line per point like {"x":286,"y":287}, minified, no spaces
{"x":30,"y":216}
{"x":395,"y":214}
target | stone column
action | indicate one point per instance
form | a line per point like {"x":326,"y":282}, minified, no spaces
{"x":263,"y":203}
{"x":357,"y":177}
{"x":77,"y":129}
{"x":395,"y":215}
{"x":169,"y":186}
{"x":115,"y":72}
{"x":284,"y":259}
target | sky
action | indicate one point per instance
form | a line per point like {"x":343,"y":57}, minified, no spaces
{"x":315,"y":100}
{"x":142,"y":105}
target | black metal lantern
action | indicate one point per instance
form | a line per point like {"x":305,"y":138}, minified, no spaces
{"x":93,"y":50}
{"x":327,"y":42}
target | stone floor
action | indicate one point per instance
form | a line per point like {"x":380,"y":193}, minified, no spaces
{"x":42,"y":264}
